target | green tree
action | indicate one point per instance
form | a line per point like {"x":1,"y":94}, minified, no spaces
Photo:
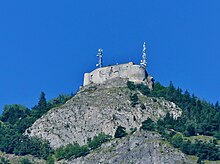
{"x":148,"y":124}
{"x":25,"y":161}
{"x":4,"y":160}
{"x":120,"y":132}
{"x":177,"y":140}
{"x":33,"y":146}
{"x":171,"y":91}
{"x":217,"y":105}
{"x":42,"y":104}
{"x":131,"y":85}
{"x":14,"y":113}
{"x":143,"y":89}
{"x":190,"y":129}
{"x":61,"y":99}
{"x":187,"y":147}
{"x":50,"y":160}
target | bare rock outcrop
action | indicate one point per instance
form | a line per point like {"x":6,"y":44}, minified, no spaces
{"x":98,"y":108}
{"x":140,"y":148}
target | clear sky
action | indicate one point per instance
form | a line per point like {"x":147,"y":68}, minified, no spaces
{"x":47,"y":45}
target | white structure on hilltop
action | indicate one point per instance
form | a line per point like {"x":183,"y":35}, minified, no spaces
{"x":144,"y":56}
{"x":100,"y":58}
{"x":130,"y":71}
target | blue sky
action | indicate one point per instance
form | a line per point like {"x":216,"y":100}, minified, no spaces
{"x":48,"y":45}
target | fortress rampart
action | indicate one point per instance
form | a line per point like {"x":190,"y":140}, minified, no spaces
{"x":130,"y":71}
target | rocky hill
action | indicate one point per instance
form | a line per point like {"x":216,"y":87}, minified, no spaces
{"x":99,"y":108}
{"x":141,"y":147}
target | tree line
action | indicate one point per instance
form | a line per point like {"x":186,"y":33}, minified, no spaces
{"x":15,"y":119}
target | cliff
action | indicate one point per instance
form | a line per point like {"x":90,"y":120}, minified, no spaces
{"x":99,"y":108}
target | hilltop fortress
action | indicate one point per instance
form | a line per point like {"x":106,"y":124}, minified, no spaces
{"x":130,"y":71}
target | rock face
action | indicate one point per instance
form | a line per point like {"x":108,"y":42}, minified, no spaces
{"x":139,"y":148}
{"x":98,"y":108}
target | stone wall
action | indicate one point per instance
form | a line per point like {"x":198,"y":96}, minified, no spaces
{"x":129,"y":71}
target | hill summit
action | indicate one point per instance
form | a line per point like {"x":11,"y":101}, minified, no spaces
{"x":118,"y":116}
{"x":106,"y":105}
{"x":102,"y":109}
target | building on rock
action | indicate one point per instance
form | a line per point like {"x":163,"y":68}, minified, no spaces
{"x":130,"y":71}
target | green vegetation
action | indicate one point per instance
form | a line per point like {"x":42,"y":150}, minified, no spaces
{"x":15,"y":119}
{"x":132,"y":130}
{"x":148,"y":125}
{"x":97,"y":141}
{"x":142,"y":88}
{"x":120,"y":132}
{"x":199,"y":118}
{"x":75,"y":150}
{"x":50,"y":160}
{"x":25,"y":161}
{"x":12,"y":141}
{"x":204,"y":149}
{"x":4,"y":160}
{"x":134,"y":99}
{"x":71,"y":150}
{"x":91,"y":89}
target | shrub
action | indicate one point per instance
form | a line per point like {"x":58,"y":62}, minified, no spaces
{"x":134,"y":99}
{"x":4,"y":160}
{"x":75,"y":150}
{"x":71,"y":150}
{"x":143,"y":89}
{"x":33,"y":146}
{"x":177,"y":140}
{"x":133,"y":130}
{"x":148,"y":125}
{"x":217,"y":135}
{"x":120,"y":132}
{"x":50,"y":160}
{"x":131,"y":85}
{"x":97,"y":141}
{"x":25,"y":161}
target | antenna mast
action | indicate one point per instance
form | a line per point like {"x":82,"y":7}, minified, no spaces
{"x":144,"y":57}
{"x":99,"y":55}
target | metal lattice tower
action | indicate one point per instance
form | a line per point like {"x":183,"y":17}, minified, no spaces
{"x":100,"y":58}
{"x":144,"y":57}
